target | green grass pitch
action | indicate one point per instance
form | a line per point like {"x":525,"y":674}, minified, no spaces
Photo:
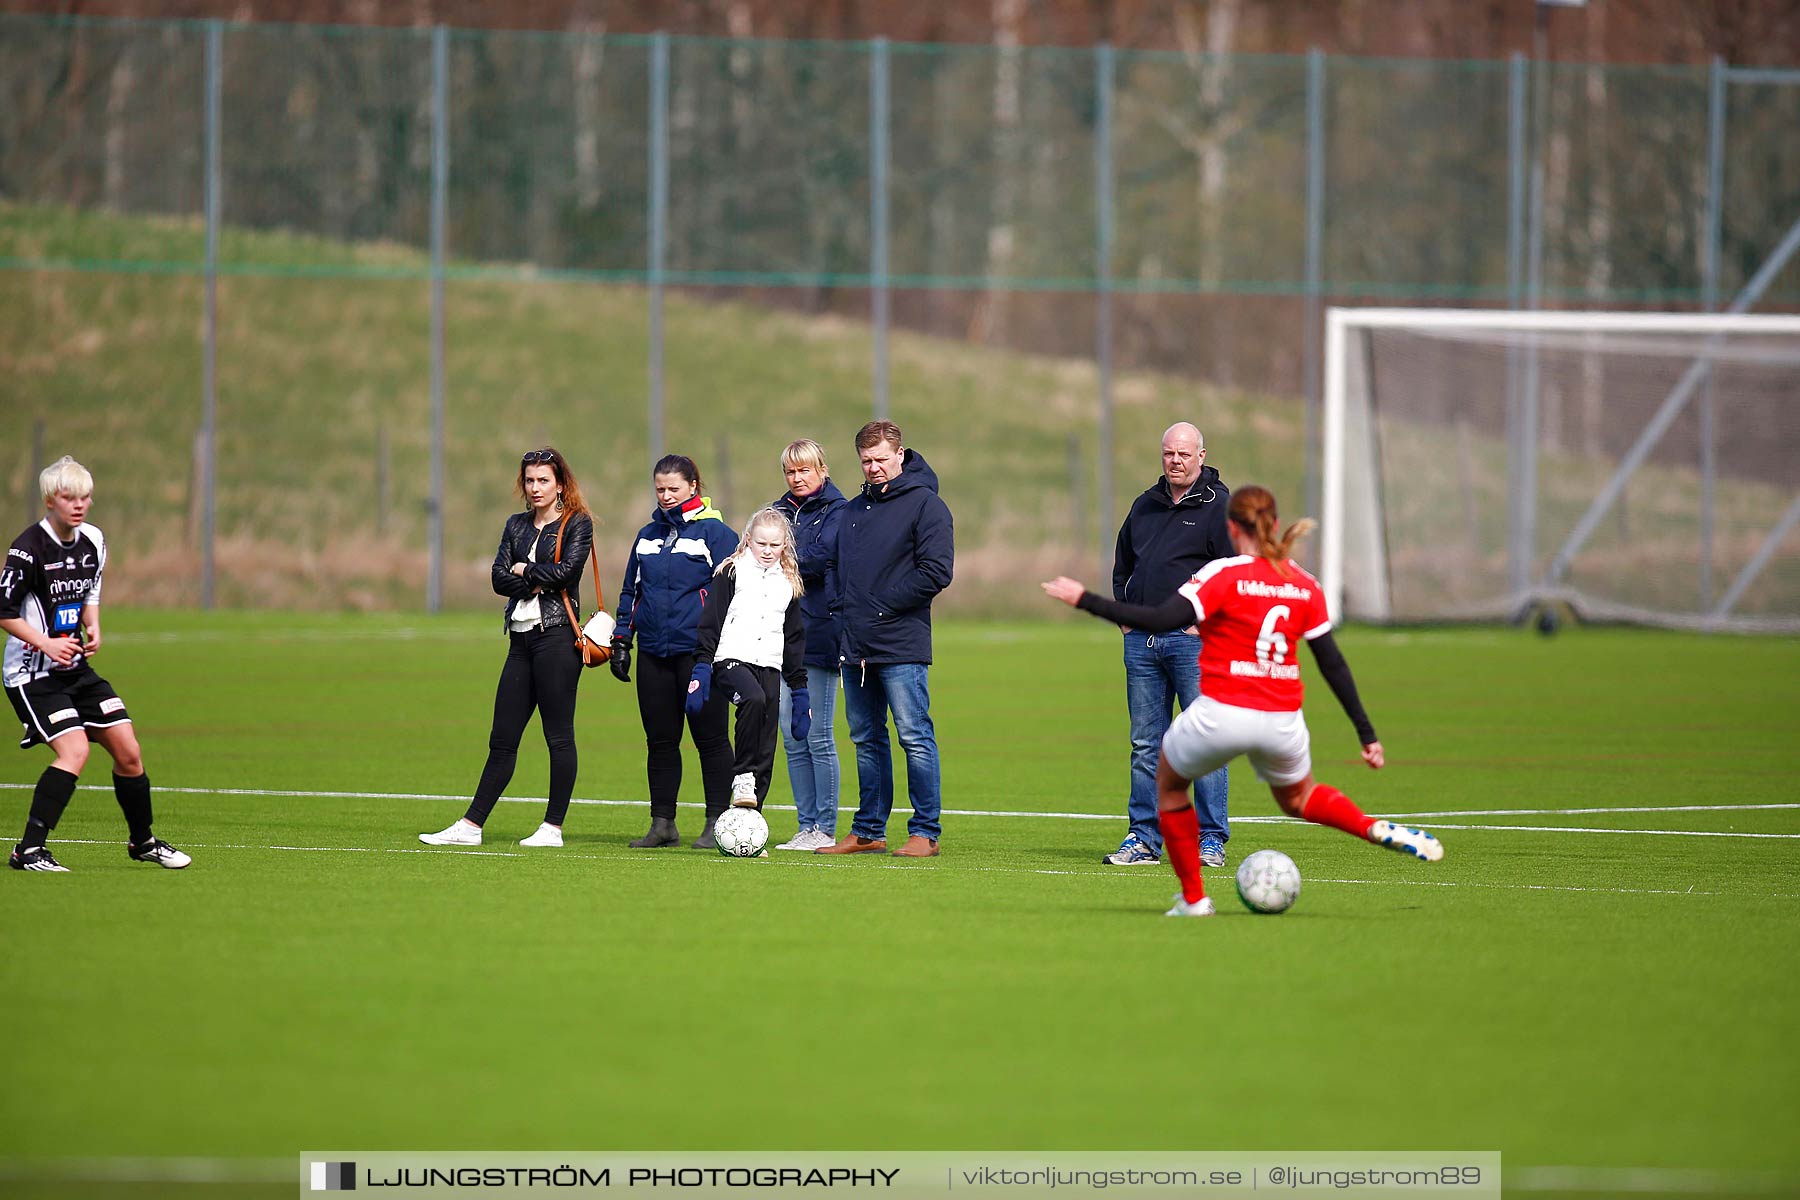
{"x":1574,"y":988}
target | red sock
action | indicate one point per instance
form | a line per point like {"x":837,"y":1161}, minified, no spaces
{"x":1328,"y":806}
{"x":1181,"y":841}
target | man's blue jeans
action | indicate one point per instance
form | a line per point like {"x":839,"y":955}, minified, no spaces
{"x":1160,"y":669}
{"x":813,"y":763}
{"x":871,"y":691}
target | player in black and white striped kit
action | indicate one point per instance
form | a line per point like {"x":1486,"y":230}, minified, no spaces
{"x":50,"y":610}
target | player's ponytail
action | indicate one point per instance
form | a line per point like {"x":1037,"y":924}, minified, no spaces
{"x":1253,"y":510}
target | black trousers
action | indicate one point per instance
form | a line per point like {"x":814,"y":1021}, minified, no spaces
{"x":542,"y":671}
{"x":757,"y":693}
{"x":662,"y":699}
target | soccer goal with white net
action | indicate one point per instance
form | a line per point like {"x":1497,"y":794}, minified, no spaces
{"x":1639,"y":467}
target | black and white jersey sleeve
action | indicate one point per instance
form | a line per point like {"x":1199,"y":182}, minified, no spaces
{"x":46,"y":582}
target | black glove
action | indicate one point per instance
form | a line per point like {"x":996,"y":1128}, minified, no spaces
{"x":620,"y":662}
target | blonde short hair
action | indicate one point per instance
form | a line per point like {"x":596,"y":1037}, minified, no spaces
{"x":804,"y":453}
{"x":65,"y":477}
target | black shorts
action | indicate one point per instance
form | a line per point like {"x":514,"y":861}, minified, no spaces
{"x":65,"y":700}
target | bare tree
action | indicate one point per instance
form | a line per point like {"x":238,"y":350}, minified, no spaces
{"x":990,"y":322}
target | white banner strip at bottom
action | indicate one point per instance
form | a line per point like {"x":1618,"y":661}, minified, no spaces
{"x":1414,"y":1174}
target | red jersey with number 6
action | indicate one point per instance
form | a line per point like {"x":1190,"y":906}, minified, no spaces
{"x":1252,"y":621}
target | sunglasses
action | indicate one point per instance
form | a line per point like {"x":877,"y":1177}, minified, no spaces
{"x":538,"y":456}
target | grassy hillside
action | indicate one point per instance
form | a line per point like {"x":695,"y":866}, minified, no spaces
{"x":323,"y":360}
{"x":324,"y":428}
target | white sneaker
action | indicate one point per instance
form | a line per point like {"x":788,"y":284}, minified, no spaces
{"x":821,"y":839}
{"x":802,"y":840}
{"x":546,"y":835}
{"x":461,"y":833}
{"x":743,"y":791}
{"x":1200,"y":908}
{"x":1406,"y":840}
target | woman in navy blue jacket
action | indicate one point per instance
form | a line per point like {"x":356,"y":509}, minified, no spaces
{"x":813,"y":505}
{"x":666,"y":578}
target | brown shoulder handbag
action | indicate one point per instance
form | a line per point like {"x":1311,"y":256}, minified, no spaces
{"x":594,"y":640}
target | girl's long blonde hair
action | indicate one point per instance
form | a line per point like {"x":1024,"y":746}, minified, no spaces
{"x":1253,"y":510}
{"x":790,"y":562}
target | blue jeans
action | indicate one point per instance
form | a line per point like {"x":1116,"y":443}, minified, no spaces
{"x":870,"y":692}
{"x":813,"y":764}
{"x":1161,"y":668}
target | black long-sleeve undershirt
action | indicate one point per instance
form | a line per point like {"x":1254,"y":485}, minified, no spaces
{"x":1177,"y":613}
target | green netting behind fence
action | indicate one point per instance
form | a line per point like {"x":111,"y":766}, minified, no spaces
{"x":777,"y":191}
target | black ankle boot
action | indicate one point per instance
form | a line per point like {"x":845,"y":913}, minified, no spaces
{"x":705,"y":840}
{"x":662,"y":833}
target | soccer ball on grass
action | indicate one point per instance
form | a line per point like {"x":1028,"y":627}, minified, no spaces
{"x":741,"y":833}
{"x":1268,"y":882}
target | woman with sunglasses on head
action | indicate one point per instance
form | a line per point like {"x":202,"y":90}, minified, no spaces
{"x":543,"y":551}
{"x":667,"y":575}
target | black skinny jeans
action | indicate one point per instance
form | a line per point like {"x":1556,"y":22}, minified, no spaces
{"x":662,"y":696}
{"x":542,"y":671}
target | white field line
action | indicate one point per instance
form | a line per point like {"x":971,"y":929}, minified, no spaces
{"x":1643,"y":1181}
{"x":789,"y":858}
{"x":1566,"y":812}
{"x":1431,"y":817}
{"x":1581,"y":829}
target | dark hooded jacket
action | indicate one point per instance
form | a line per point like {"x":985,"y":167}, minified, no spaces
{"x":896,"y":551}
{"x":1162,"y":543}
{"x":815,"y":521}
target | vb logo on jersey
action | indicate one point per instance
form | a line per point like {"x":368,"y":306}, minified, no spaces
{"x":68,"y":619}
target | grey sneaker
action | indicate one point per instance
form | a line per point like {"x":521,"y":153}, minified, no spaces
{"x":1212,"y":851}
{"x":1132,"y":852}
{"x":806,"y":839}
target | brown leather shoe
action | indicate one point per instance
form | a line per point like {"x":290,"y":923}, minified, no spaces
{"x":850,"y":843}
{"x":917,"y":847}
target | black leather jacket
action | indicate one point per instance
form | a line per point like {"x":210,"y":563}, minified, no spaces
{"x":547,"y":574}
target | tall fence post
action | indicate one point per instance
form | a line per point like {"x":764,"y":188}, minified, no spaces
{"x":659,"y":233}
{"x":1517,"y":568}
{"x":1531,"y":391}
{"x":1103,"y":283}
{"x":878,"y":220}
{"x":440,"y":187}
{"x":209,"y":359}
{"x":1315,"y":269}
{"x":1709,"y":300}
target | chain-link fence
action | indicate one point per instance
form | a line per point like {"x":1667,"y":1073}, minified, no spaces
{"x":300,"y":295}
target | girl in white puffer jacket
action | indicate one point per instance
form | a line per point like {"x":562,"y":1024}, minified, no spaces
{"x":751,"y":636}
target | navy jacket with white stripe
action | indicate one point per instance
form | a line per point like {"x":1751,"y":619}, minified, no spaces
{"x":667,"y":576}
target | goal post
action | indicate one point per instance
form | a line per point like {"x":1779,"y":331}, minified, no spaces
{"x":1636,"y":467}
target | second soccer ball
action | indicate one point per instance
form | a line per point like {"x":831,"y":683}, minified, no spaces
{"x":1268,"y":882}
